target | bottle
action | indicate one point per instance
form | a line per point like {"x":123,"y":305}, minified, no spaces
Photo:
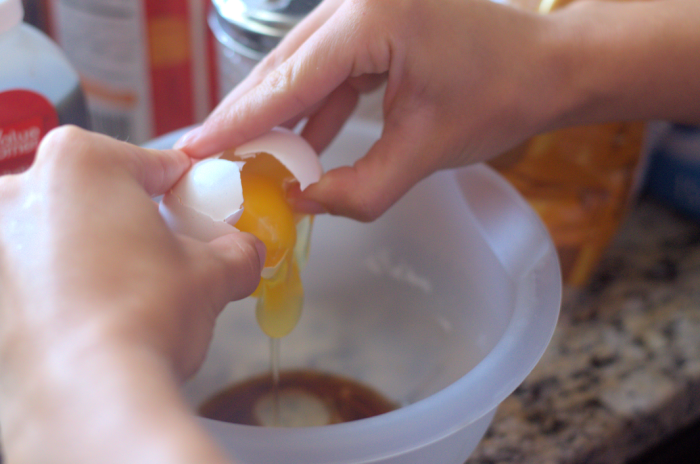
{"x":581,"y":180}
{"x":36,"y":14}
{"x":39,"y":89}
{"x":144,"y":64}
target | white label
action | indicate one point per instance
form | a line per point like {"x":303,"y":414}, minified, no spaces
{"x":14,"y":143}
{"x":105,"y":41}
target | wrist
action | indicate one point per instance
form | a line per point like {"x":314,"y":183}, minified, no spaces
{"x":544,"y":70}
{"x":103,"y":402}
{"x":588,"y":84}
{"x":554,"y":99}
{"x":621,"y":61}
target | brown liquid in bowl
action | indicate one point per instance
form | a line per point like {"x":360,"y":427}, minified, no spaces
{"x":306,"y":398}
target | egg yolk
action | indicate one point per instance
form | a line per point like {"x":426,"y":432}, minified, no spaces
{"x":268,"y":216}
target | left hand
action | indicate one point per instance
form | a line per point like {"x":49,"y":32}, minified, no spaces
{"x":102,"y":307}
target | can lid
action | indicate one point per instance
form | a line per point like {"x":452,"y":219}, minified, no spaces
{"x":11,"y":14}
{"x":261,"y":24}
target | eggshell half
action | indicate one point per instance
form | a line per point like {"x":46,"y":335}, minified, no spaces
{"x":190,"y":222}
{"x":206,"y":202}
{"x":213,"y":187}
{"x":290,"y":149}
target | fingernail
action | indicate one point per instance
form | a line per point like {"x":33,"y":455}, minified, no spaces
{"x":262,"y":252}
{"x":304,"y":206}
{"x":187,"y":138}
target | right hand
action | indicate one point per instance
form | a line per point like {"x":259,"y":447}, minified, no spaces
{"x":466,"y":80}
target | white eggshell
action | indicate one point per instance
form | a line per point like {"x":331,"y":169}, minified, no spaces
{"x":213,"y":187}
{"x":206,"y":202}
{"x":188,"y":221}
{"x":288,"y":148}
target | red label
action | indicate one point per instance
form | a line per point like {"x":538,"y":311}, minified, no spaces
{"x":171,"y":64}
{"x":25,"y":118}
{"x":211,"y":58}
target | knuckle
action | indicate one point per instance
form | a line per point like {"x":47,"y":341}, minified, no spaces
{"x":347,"y":192}
{"x":269,"y":63}
{"x":364,"y":208}
{"x":280,"y":82}
{"x":375,"y":13}
{"x":61,"y":137}
{"x":63,"y":143}
{"x":250,"y":254}
{"x":363,"y":5}
{"x":245,"y":264}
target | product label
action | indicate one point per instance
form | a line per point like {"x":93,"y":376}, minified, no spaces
{"x":104,"y":40}
{"x":25,"y":118}
{"x":143,"y":63}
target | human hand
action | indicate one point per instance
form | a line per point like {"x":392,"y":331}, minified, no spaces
{"x":466,"y":80}
{"x":102,"y":308}
{"x":84,"y":242}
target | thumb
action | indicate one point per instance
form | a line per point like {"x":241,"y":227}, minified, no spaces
{"x":232,"y":270}
{"x":364,"y":191}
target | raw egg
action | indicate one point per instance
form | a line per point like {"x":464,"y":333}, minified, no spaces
{"x":245,"y":189}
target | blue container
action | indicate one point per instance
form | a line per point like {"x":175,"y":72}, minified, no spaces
{"x":674,"y":170}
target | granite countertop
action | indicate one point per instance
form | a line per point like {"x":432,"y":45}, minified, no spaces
{"x":623,"y":369}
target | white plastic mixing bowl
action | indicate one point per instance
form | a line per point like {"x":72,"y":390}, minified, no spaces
{"x":445,"y":304}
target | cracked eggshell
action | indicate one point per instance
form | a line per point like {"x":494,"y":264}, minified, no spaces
{"x":206,"y":202}
{"x":290,"y":149}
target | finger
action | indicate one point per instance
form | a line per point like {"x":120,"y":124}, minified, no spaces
{"x":281,"y":96}
{"x":232,"y":268}
{"x":315,"y":70}
{"x":77,"y":150}
{"x":364,"y":191}
{"x":324,"y":124}
{"x":361,"y":84}
{"x":368,"y":82}
{"x":156,"y":170}
{"x":327,"y":117}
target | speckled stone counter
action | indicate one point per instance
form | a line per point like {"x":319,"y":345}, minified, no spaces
{"x":623,"y":369}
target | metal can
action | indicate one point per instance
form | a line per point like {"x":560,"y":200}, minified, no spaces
{"x":247,"y":30}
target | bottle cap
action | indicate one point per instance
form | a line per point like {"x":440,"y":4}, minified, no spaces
{"x":11,"y":14}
